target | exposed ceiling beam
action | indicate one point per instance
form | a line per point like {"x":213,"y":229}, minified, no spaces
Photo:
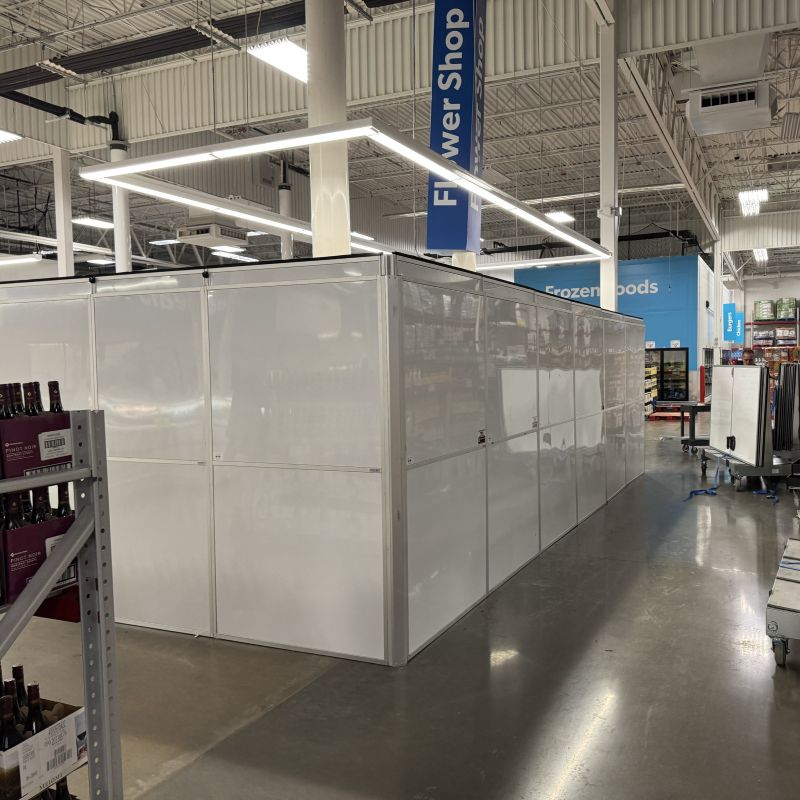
{"x":672,"y":128}
{"x":601,"y":11}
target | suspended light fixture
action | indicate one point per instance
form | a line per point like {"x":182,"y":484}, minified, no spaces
{"x":227,"y":248}
{"x":14,"y":261}
{"x":233,"y":256}
{"x":750,"y":201}
{"x":101,"y":262}
{"x":6,"y":137}
{"x":379,"y":133}
{"x":93,"y":222}
{"x":283,"y":54}
{"x":560,"y":216}
{"x":760,"y":255}
{"x":541,"y":263}
{"x":164,"y":242}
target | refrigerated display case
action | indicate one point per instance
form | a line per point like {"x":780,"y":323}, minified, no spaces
{"x":672,"y":373}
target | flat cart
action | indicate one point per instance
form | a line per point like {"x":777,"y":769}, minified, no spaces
{"x":739,"y":471}
{"x":783,"y":606}
{"x":692,"y":441}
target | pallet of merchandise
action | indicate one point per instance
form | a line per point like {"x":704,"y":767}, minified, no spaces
{"x":763,"y":310}
{"x":786,"y":308}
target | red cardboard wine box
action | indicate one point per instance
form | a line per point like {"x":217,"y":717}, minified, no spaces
{"x":27,"y":548}
{"x":35,"y":445}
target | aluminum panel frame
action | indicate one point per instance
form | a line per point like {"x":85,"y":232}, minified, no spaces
{"x":511,"y":369}
{"x":161,"y":542}
{"x":447,"y":545}
{"x":590,"y":456}
{"x":513,"y":505}
{"x":556,"y":341}
{"x":312,"y":557}
{"x":589,"y":365}
{"x":150,"y":375}
{"x":557,"y":481}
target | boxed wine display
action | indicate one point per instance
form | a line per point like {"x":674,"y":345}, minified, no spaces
{"x":38,"y":762}
{"x":33,"y":441}
{"x":35,"y":445}
{"x":26,"y":549}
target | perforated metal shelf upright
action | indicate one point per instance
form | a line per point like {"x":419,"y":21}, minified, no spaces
{"x":88,"y":540}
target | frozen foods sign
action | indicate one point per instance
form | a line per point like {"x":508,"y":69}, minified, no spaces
{"x":459,"y":50}
{"x":587,"y":292}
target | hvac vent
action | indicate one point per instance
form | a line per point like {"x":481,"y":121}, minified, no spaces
{"x":212,"y":235}
{"x":725,"y":109}
{"x":790,"y":131}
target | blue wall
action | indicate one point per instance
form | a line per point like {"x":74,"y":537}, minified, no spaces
{"x":663,"y":291}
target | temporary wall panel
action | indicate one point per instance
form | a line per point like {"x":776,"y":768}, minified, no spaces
{"x":337,"y":455}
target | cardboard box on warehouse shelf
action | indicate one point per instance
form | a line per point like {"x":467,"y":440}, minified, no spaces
{"x":38,"y":762}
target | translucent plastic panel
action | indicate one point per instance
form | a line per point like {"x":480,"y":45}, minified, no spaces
{"x":634,"y":341}
{"x":557,"y":481}
{"x":300,"y":558}
{"x":150,"y":375}
{"x":721,"y":408}
{"x":588,"y":366}
{"x":590,"y":452}
{"x":513,"y":505}
{"x":615,"y":450}
{"x":295,"y":374}
{"x":446,"y":542}
{"x":556,"y":366}
{"x":634,"y":441}
{"x":615,"y":362}
{"x":49,"y":341}
{"x":512,"y":364}
{"x":444,"y":370}
{"x":161,"y":544}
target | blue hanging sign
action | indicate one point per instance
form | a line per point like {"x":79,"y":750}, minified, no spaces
{"x":738,"y":327}
{"x":728,"y":316}
{"x":457,"y":100}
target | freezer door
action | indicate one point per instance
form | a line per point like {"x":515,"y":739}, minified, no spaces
{"x":721,"y":408}
{"x":747,"y":414}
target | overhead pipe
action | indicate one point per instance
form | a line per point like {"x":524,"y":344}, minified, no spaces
{"x":62,"y":112}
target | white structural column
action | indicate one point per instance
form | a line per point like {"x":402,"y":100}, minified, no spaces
{"x":719,"y":321}
{"x":609,"y":200}
{"x":286,"y":211}
{"x":327,"y":103}
{"x":122,"y":215}
{"x":63,"y":196}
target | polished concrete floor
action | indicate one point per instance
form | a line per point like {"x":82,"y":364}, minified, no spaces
{"x":628,"y":662}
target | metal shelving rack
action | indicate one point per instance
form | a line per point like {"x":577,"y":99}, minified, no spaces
{"x":88,"y":540}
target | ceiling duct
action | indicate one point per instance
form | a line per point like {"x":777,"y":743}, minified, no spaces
{"x":733,"y":95}
{"x":212,"y":234}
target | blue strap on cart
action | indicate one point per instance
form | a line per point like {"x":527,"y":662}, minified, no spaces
{"x":711,"y":491}
{"x":768,"y":493}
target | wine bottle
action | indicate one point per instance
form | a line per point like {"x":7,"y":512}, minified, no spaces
{"x":26,"y":505}
{"x":18,"y":672}
{"x":9,"y":735}
{"x":55,"y":397}
{"x":63,"y":509}
{"x":34,"y":722}
{"x":41,"y":505}
{"x":10,"y":688}
{"x":14,"y":518}
{"x":30,"y":399}
{"x":37,"y":396}
{"x":16,"y":392}
{"x":62,"y":791}
{"x":6,"y":402}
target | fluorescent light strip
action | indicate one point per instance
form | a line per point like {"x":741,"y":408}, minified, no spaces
{"x":93,"y":222}
{"x":102,"y":262}
{"x":12,"y":261}
{"x":234,"y":256}
{"x":750,"y":201}
{"x":760,"y":255}
{"x":583,"y":258}
{"x":560,"y":216}
{"x":283,"y":54}
{"x":275,"y":142}
{"x":357,"y":235}
{"x":382,"y":135}
{"x":227,"y":248}
{"x":164,"y":242}
{"x":7,"y":137}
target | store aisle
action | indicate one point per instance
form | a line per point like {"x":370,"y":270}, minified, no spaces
{"x":628,"y":662}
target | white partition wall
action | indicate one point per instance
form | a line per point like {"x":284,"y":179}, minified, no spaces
{"x":337,"y":455}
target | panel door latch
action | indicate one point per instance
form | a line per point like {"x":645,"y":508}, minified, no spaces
{"x":731,"y":443}
{"x":482,"y":437}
